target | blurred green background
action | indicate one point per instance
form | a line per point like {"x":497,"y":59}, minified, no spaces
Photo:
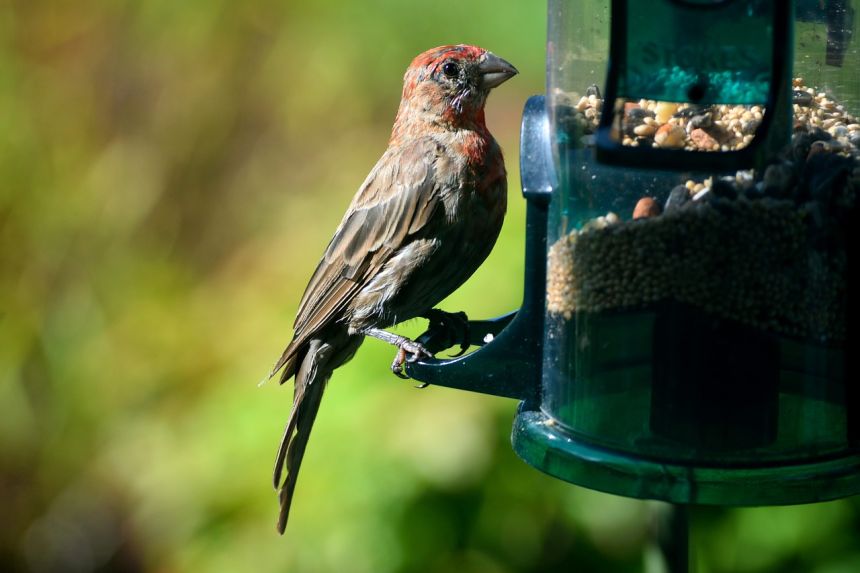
{"x":170,"y":173}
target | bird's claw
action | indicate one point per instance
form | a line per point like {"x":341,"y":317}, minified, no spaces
{"x":409,"y":352}
{"x":397,"y":364}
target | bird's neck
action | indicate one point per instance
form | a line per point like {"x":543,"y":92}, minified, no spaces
{"x":428,"y":118}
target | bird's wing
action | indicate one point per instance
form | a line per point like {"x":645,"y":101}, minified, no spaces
{"x":397,"y":200}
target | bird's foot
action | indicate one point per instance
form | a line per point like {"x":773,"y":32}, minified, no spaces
{"x":407,"y":350}
{"x":452,"y":327}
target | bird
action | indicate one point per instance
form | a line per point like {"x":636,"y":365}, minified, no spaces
{"x":425,"y":218}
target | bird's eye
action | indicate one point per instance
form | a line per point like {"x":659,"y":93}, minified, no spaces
{"x":451,"y":70}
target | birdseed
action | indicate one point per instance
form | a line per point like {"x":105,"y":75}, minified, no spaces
{"x":764,"y":249}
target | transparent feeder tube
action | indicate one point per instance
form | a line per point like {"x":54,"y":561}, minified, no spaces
{"x":696,"y":321}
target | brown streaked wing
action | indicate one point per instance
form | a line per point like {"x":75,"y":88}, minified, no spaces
{"x":397,"y":200}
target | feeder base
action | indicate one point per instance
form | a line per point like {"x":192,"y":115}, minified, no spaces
{"x":545,"y":445}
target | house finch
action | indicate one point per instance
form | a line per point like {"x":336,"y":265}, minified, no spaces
{"x":421,"y":223}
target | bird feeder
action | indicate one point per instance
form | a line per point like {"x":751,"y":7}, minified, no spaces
{"x":691,"y":177}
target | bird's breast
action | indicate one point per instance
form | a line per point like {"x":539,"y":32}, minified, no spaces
{"x":478,"y":162}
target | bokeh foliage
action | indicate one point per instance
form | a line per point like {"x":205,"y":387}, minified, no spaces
{"x":169,"y":174}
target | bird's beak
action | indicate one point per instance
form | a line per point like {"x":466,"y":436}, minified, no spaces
{"x":494,"y":70}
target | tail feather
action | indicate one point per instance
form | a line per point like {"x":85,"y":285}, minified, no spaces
{"x":311,"y":378}
{"x":289,"y":430}
{"x":312,"y":364}
{"x":295,"y":451}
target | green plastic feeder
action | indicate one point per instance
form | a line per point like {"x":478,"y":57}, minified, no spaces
{"x":686,"y":316}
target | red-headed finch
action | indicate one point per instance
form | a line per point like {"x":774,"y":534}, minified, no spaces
{"x":421,"y":223}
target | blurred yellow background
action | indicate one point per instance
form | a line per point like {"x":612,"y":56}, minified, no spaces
{"x":170,"y":173}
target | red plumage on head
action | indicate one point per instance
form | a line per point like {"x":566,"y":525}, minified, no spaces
{"x":425,"y":64}
{"x":435,"y":56}
{"x":424,"y":102}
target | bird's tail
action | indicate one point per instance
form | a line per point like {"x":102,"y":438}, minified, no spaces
{"x":312,"y":374}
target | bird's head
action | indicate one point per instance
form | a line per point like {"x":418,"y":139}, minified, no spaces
{"x":450,"y":84}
